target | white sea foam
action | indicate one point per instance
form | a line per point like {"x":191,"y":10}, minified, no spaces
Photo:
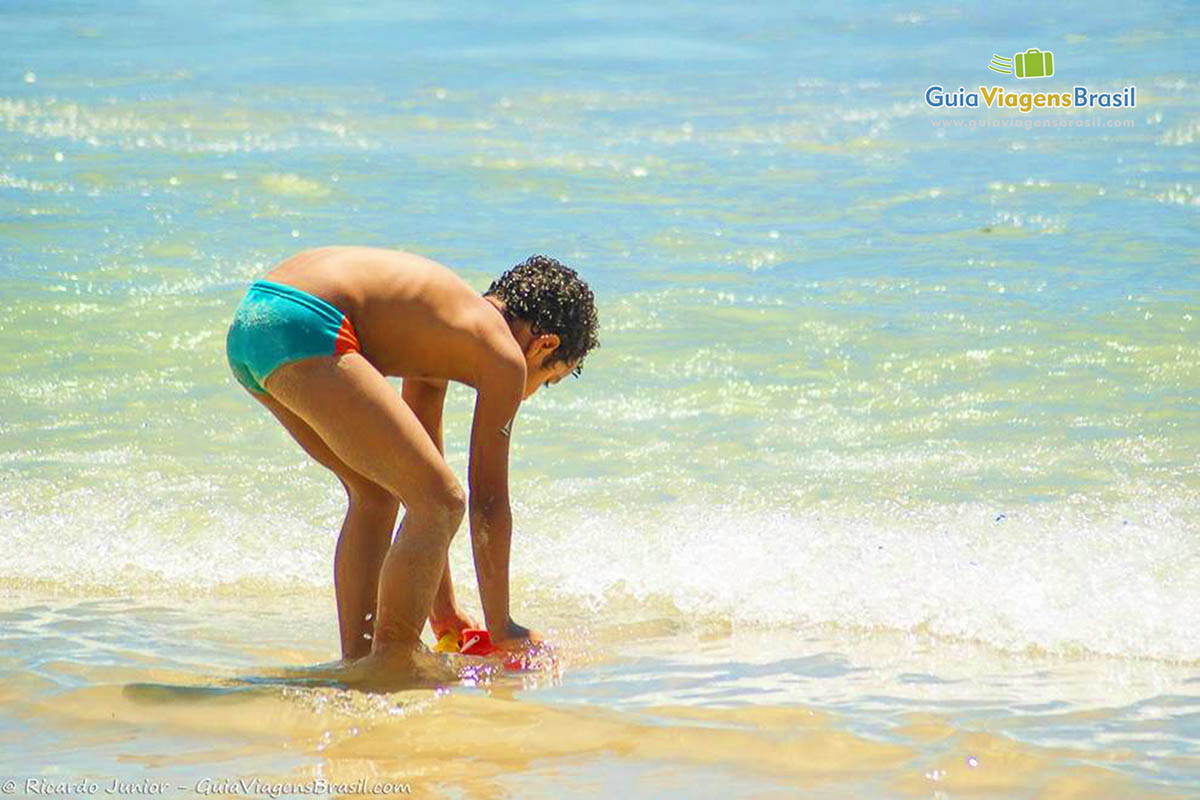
{"x":1065,"y":578}
{"x":1056,"y":579}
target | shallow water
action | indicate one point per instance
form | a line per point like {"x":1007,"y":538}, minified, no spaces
{"x":891,"y":423}
{"x":133,"y":690}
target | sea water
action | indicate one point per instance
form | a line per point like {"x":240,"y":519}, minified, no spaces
{"x":882,"y":483}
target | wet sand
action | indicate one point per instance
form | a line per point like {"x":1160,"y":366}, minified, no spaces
{"x":183,"y":696}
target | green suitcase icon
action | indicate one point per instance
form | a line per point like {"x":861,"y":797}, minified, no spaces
{"x":1034,"y":63}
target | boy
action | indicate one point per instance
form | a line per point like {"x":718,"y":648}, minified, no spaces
{"x":313,"y":340}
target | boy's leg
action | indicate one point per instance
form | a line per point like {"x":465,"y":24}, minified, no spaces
{"x":364,"y":538}
{"x":365,"y":423}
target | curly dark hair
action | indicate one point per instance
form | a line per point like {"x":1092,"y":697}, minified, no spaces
{"x":552,"y":298}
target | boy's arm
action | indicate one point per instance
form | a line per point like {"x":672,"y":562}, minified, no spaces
{"x":427,"y":399}
{"x":496,"y":404}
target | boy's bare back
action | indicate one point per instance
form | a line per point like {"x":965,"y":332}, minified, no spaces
{"x":414,"y":317}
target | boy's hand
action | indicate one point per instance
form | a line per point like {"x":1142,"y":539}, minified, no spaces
{"x":453,"y":620}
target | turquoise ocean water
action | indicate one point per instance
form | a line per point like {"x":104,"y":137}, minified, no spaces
{"x":863,"y":373}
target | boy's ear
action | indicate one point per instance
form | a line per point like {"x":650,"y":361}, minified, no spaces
{"x":547,"y":343}
{"x":542,"y":346}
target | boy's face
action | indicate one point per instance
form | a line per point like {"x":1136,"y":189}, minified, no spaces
{"x":537,"y":374}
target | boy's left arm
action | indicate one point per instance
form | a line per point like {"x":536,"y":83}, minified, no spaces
{"x":499,"y":396}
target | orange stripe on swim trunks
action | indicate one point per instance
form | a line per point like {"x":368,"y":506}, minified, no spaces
{"x":347,"y":339}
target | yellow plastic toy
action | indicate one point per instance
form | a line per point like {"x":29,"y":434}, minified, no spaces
{"x":448,"y":643}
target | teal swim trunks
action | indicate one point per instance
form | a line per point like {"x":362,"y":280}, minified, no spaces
{"x":275,"y":324}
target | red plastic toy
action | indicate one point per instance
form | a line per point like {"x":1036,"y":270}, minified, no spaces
{"x":478,"y":642}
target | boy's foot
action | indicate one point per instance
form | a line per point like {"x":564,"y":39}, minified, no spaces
{"x":394,"y":669}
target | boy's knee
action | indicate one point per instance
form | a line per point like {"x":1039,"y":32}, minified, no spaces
{"x":453,"y":504}
{"x":444,"y":507}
